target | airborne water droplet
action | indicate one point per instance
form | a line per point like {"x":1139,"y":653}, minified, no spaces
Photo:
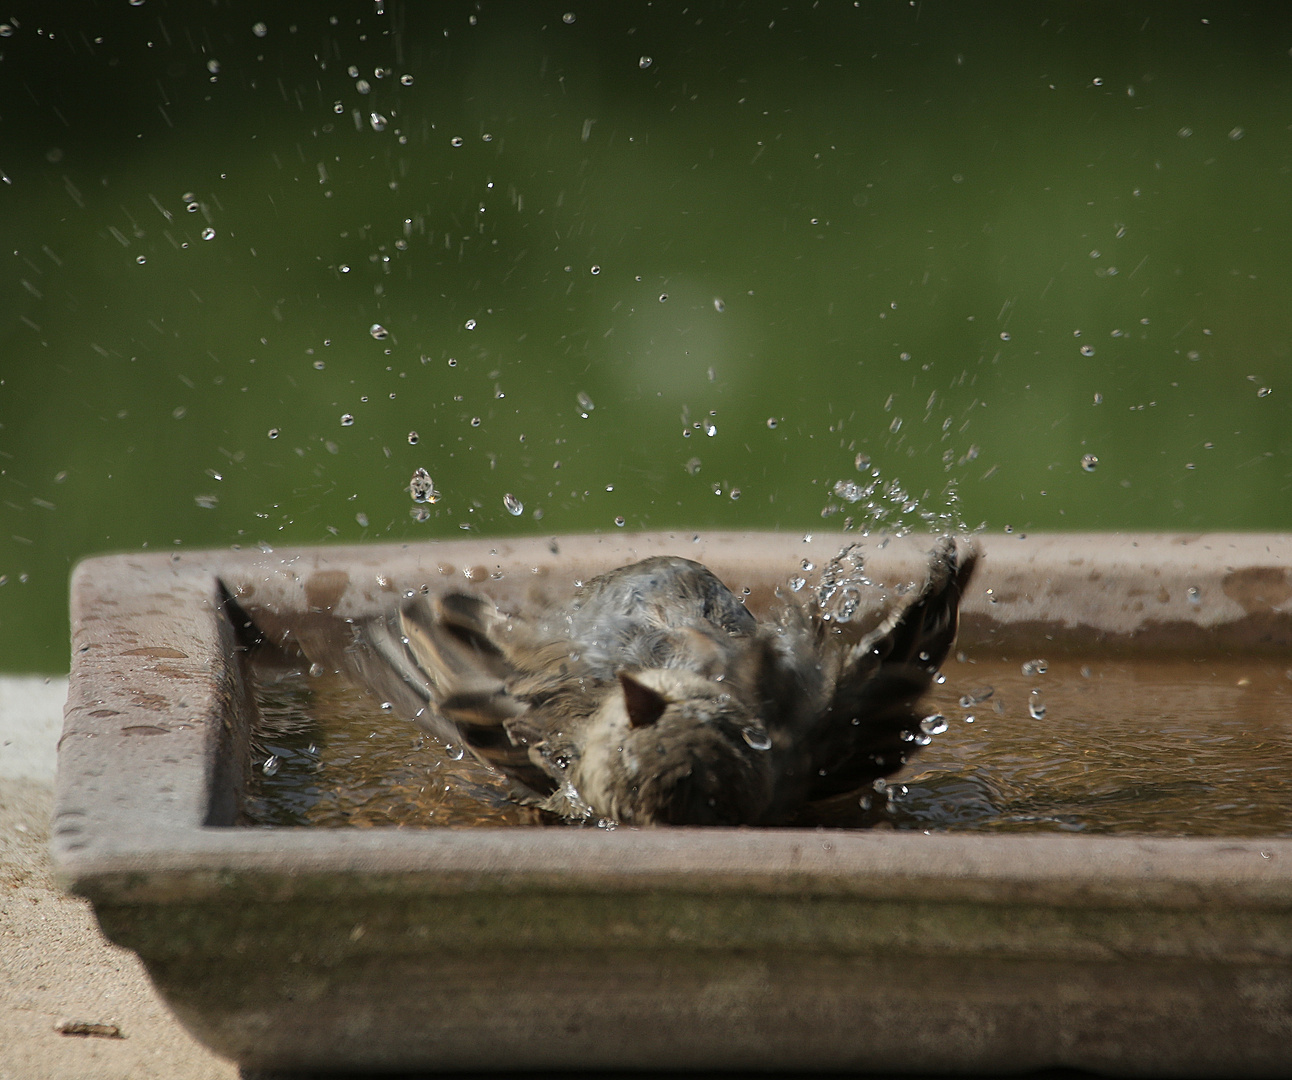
{"x":1090,"y":463}
{"x":513,"y":505}
{"x":757,"y":738}
{"x":422,"y":488}
{"x":934,"y":725}
{"x":378,"y":331}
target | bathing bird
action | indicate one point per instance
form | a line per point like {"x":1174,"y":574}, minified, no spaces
{"x":655,"y":697}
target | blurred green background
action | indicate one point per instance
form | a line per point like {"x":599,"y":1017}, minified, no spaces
{"x":975,"y":243}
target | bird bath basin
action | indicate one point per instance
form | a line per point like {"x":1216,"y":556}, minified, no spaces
{"x":520,"y":946}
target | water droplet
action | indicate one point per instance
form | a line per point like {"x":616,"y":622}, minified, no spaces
{"x":406,"y":80}
{"x":379,"y":332}
{"x":976,"y":697}
{"x":1035,"y":706}
{"x":1087,"y":350}
{"x":662,"y":297}
{"x":568,"y":18}
{"x":934,"y":725}
{"x":595,"y":270}
{"x":141,"y":259}
{"x":455,"y":141}
{"x":346,"y":419}
{"x":470,"y":324}
{"x":710,"y":428}
{"x":771,"y":422}
{"x":213,"y":66}
{"x":896,"y":425}
{"x":797,"y":583}
{"x":1185,"y":132}
{"x":273,"y":433}
{"x":1035,"y":667}
{"x":1195,"y":595}
{"x":757,"y":738}
{"x":1089,"y":462}
{"x":849,"y":491}
{"x":513,"y":505}
{"x":362,"y":519}
{"x":1264,"y":391}
{"x":1236,"y":134}
{"x":1004,"y":335}
{"x":619,"y":522}
{"x":413,"y":438}
{"x":208,"y":233}
{"x":271,"y":765}
{"x":475,"y":421}
{"x":377,"y":121}
{"x":880,"y":784}
{"x":454,"y":751}
{"x":645,"y":62}
{"x":422,"y":488}
{"x":1099,"y":398}
{"x":719,"y":305}
{"x":692,"y":466}
{"x":585,"y":402}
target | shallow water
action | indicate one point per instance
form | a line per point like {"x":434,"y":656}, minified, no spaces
{"x":1175,"y":747}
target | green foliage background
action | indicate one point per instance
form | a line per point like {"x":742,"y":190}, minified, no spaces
{"x":1028,"y":232}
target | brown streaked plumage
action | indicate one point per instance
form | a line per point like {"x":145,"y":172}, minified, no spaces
{"x":655,"y":697}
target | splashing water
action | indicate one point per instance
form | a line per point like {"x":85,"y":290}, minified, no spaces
{"x":422,"y":487}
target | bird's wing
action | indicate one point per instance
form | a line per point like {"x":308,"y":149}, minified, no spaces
{"x":452,"y":642}
{"x":869,"y":727}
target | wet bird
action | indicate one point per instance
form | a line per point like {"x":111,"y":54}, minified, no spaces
{"x":656,"y":697}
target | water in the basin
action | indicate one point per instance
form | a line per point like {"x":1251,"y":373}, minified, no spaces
{"x":326,"y":753}
{"x":1199,"y":747}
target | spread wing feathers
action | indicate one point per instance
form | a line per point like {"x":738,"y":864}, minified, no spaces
{"x":453,"y":641}
{"x":436,"y":664}
{"x":870,"y":725}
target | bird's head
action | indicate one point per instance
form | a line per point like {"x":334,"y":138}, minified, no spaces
{"x":670,"y":747}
